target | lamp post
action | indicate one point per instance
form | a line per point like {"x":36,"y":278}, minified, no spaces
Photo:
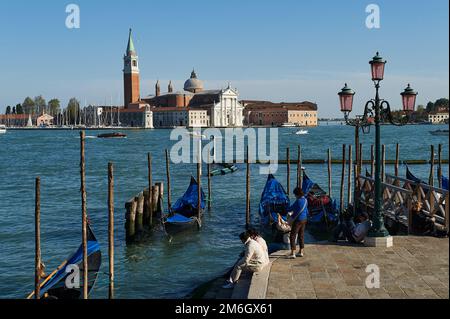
{"x":380,"y":110}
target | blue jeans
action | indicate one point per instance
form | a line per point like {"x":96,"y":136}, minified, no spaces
{"x":346,"y":227}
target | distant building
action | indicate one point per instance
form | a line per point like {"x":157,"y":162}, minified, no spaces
{"x":170,"y":117}
{"x":14,"y":120}
{"x":265,"y":113}
{"x":44,"y":120}
{"x":438,"y":117}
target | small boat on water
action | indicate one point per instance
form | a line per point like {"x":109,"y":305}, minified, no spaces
{"x":224,"y":169}
{"x":323,"y":210}
{"x":2,"y":129}
{"x":302,"y":132}
{"x":439,"y":133}
{"x":184,"y":214}
{"x":444,"y":183}
{"x":288,"y":125}
{"x":410,"y":176}
{"x":54,"y":285}
{"x":112,"y":135}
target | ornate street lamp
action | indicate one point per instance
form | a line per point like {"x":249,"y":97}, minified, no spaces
{"x":380,"y":110}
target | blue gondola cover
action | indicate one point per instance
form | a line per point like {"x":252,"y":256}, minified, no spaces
{"x":188,"y":204}
{"x":274,"y":200}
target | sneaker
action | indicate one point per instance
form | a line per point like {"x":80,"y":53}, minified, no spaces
{"x":292,"y":256}
{"x":300,"y":255}
{"x":228,"y":285}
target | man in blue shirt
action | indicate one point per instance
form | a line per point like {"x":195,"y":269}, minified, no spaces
{"x":300,"y":219}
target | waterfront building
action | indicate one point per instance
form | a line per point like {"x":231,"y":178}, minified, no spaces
{"x":44,"y":120}
{"x":265,"y":113}
{"x":439,"y":117}
{"x":170,"y":117}
{"x":14,"y":120}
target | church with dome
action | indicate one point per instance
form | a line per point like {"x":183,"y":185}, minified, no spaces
{"x":221,"y":105}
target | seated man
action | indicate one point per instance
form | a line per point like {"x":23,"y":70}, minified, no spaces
{"x":421,"y":224}
{"x":354,"y":233}
{"x":254,"y":260}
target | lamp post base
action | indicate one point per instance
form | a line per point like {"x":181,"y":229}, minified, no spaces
{"x":379,"y":233}
{"x":385,"y":242}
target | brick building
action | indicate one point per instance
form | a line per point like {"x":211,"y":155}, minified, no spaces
{"x":265,"y":113}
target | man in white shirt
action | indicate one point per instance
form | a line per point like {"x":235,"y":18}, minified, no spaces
{"x":254,"y":260}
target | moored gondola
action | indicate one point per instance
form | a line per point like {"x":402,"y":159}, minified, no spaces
{"x":274,"y":202}
{"x":184,"y":214}
{"x":323,"y":211}
{"x":54,"y":286}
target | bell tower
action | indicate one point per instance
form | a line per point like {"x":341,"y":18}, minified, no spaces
{"x":131,"y":74}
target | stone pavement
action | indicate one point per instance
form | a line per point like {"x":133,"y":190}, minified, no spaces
{"x":416,"y":267}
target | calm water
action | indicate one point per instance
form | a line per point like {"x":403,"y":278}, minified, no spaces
{"x":157,"y":268}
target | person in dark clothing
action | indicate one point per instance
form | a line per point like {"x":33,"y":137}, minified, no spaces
{"x":351,"y":231}
{"x":300,"y":219}
{"x":421,"y":224}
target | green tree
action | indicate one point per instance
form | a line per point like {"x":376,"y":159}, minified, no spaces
{"x":54,"y":106}
{"x":73,"y":108}
{"x":40,"y":104}
{"x":14,"y":110}
{"x":8,"y":110}
{"x":441,"y":103}
{"x":19,"y":109}
{"x":28,"y":106}
{"x":430,"y":107}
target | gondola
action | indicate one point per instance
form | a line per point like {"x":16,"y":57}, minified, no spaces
{"x":444,"y":182}
{"x":322,"y":209}
{"x":184,"y":214}
{"x":54,"y":286}
{"x":274,"y":201}
{"x":410,"y":176}
{"x":224,"y":169}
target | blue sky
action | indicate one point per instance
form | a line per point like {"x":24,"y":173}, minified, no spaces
{"x":287,"y":50}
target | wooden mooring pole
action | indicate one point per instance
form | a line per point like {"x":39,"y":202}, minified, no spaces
{"x":397,"y":159}
{"x":209,"y":182}
{"x":431,"y":178}
{"x":329,"y":174}
{"x":247,"y":192}
{"x":299,"y":167}
{"x":37,"y":225}
{"x":111,"y":228}
{"x":372,"y":160}
{"x":360,"y":160}
{"x":383,"y":163}
{"x":84,"y":215}
{"x":150,"y":189}
{"x":342,"y":179}
{"x":288,"y":170}
{"x":169,"y":196}
{"x":440,"y":165}
{"x":199,"y":191}
{"x":350,"y":175}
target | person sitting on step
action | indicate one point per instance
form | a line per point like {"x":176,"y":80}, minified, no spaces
{"x":351,"y":231}
{"x":254,"y":260}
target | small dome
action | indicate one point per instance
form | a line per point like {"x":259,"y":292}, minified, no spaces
{"x":193,"y":85}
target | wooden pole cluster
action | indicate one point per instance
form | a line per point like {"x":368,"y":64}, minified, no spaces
{"x":342,"y":179}
{"x":288,"y":170}
{"x":84,"y":215}
{"x":111,"y":228}
{"x":247,"y":192}
{"x":37,"y":224}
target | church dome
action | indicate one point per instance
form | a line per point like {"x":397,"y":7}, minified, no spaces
{"x":193,"y":85}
